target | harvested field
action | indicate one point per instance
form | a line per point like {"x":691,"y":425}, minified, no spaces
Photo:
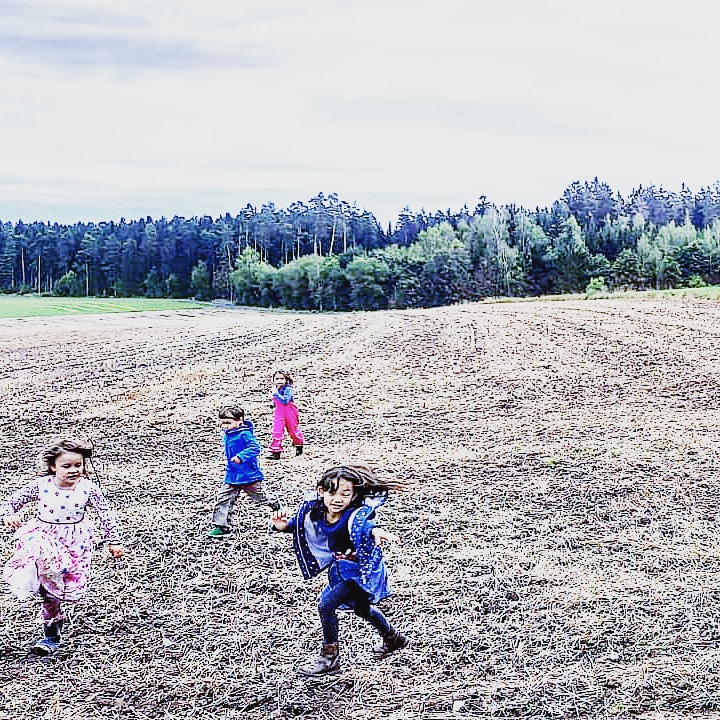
{"x":561,"y":554}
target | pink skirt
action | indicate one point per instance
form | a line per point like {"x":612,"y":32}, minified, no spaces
{"x":56,"y":557}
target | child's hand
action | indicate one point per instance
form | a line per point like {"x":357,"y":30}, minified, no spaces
{"x":117,"y":551}
{"x":236,"y":459}
{"x":279,"y":520}
{"x":381,"y":536}
{"x":13,"y":521}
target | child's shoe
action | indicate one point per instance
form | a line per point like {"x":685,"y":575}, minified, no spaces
{"x":298,"y":450}
{"x":391,"y":642}
{"x":328,"y":663}
{"x":218,"y":532}
{"x":44,"y":647}
{"x":273,"y":455}
{"x":50,"y":643}
{"x":275,"y":506}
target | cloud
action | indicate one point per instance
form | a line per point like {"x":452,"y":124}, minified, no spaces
{"x":56,"y":13}
{"x":124,"y":51}
{"x":164,"y":106}
{"x":54,"y":36}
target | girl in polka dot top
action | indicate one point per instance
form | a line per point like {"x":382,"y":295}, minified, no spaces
{"x":53,"y":550}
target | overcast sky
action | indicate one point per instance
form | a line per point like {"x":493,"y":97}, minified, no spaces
{"x":164,"y":107}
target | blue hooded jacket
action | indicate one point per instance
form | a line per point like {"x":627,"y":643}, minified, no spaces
{"x":242,"y":444}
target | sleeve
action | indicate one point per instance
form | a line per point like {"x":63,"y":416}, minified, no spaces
{"x":284,"y":394}
{"x":250,"y":448}
{"x":361,"y":527}
{"x":14,"y":502}
{"x":366,"y":531}
{"x":107,"y":518}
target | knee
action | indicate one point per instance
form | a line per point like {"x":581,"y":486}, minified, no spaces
{"x":362,"y":610}
{"x":327,"y":604}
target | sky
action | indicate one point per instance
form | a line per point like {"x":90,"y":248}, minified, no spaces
{"x":171,"y":107}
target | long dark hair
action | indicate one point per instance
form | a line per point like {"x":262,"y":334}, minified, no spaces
{"x":363,"y":478}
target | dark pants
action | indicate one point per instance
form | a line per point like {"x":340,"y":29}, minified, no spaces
{"x":348,"y":593}
{"x":228,"y":494}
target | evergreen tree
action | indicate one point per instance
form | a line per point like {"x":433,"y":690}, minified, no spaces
{"x":572,"y":258}
{"x":8,"y":257}
{"x":625,"y":270}
{"x":200,"y":281}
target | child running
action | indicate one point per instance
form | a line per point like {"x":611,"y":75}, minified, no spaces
{"x":286,"y":416}
{"x":53,"y":550}
{"x":334,"y":528}
{"x":242,"y":471}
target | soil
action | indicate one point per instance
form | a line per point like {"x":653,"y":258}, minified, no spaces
{"x":558,"y":510}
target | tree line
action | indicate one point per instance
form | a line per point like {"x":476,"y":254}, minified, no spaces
{"x":330,"y":255}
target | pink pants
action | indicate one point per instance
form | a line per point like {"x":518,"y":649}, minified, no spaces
{"x":286,"y":416}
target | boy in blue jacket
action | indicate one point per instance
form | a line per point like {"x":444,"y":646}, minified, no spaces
{"x":242,"y":471}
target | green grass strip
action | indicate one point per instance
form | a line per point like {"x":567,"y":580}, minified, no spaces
{"x":26,"y":306}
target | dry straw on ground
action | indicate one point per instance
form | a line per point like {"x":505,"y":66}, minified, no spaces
{"x":559,"y":517}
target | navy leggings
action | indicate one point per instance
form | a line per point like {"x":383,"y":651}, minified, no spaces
{"x":348,"y":593}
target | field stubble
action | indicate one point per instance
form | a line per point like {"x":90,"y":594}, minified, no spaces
{"x":560,"y":548}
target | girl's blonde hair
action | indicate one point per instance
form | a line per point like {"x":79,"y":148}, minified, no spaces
{"x":65,"y":445}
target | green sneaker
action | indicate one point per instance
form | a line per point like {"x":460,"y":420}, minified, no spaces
{"x":218,"y":532}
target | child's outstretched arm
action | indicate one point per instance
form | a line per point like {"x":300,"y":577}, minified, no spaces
{"x":251,"y":450}
{"x":9,"y":508}
{"x":279,"y":520}
{"x":382,"y":536}
{"x":107,"y":521}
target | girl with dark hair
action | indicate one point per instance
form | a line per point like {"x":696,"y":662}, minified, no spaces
{"x":334,"y":528}
{"x":53,"y":550}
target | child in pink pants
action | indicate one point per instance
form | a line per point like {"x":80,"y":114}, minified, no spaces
{"x":286,"y":416}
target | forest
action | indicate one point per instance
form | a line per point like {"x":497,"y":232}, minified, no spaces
{"x":328,"y":254}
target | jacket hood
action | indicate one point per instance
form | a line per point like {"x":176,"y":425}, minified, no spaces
{"x":247,"y":425}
